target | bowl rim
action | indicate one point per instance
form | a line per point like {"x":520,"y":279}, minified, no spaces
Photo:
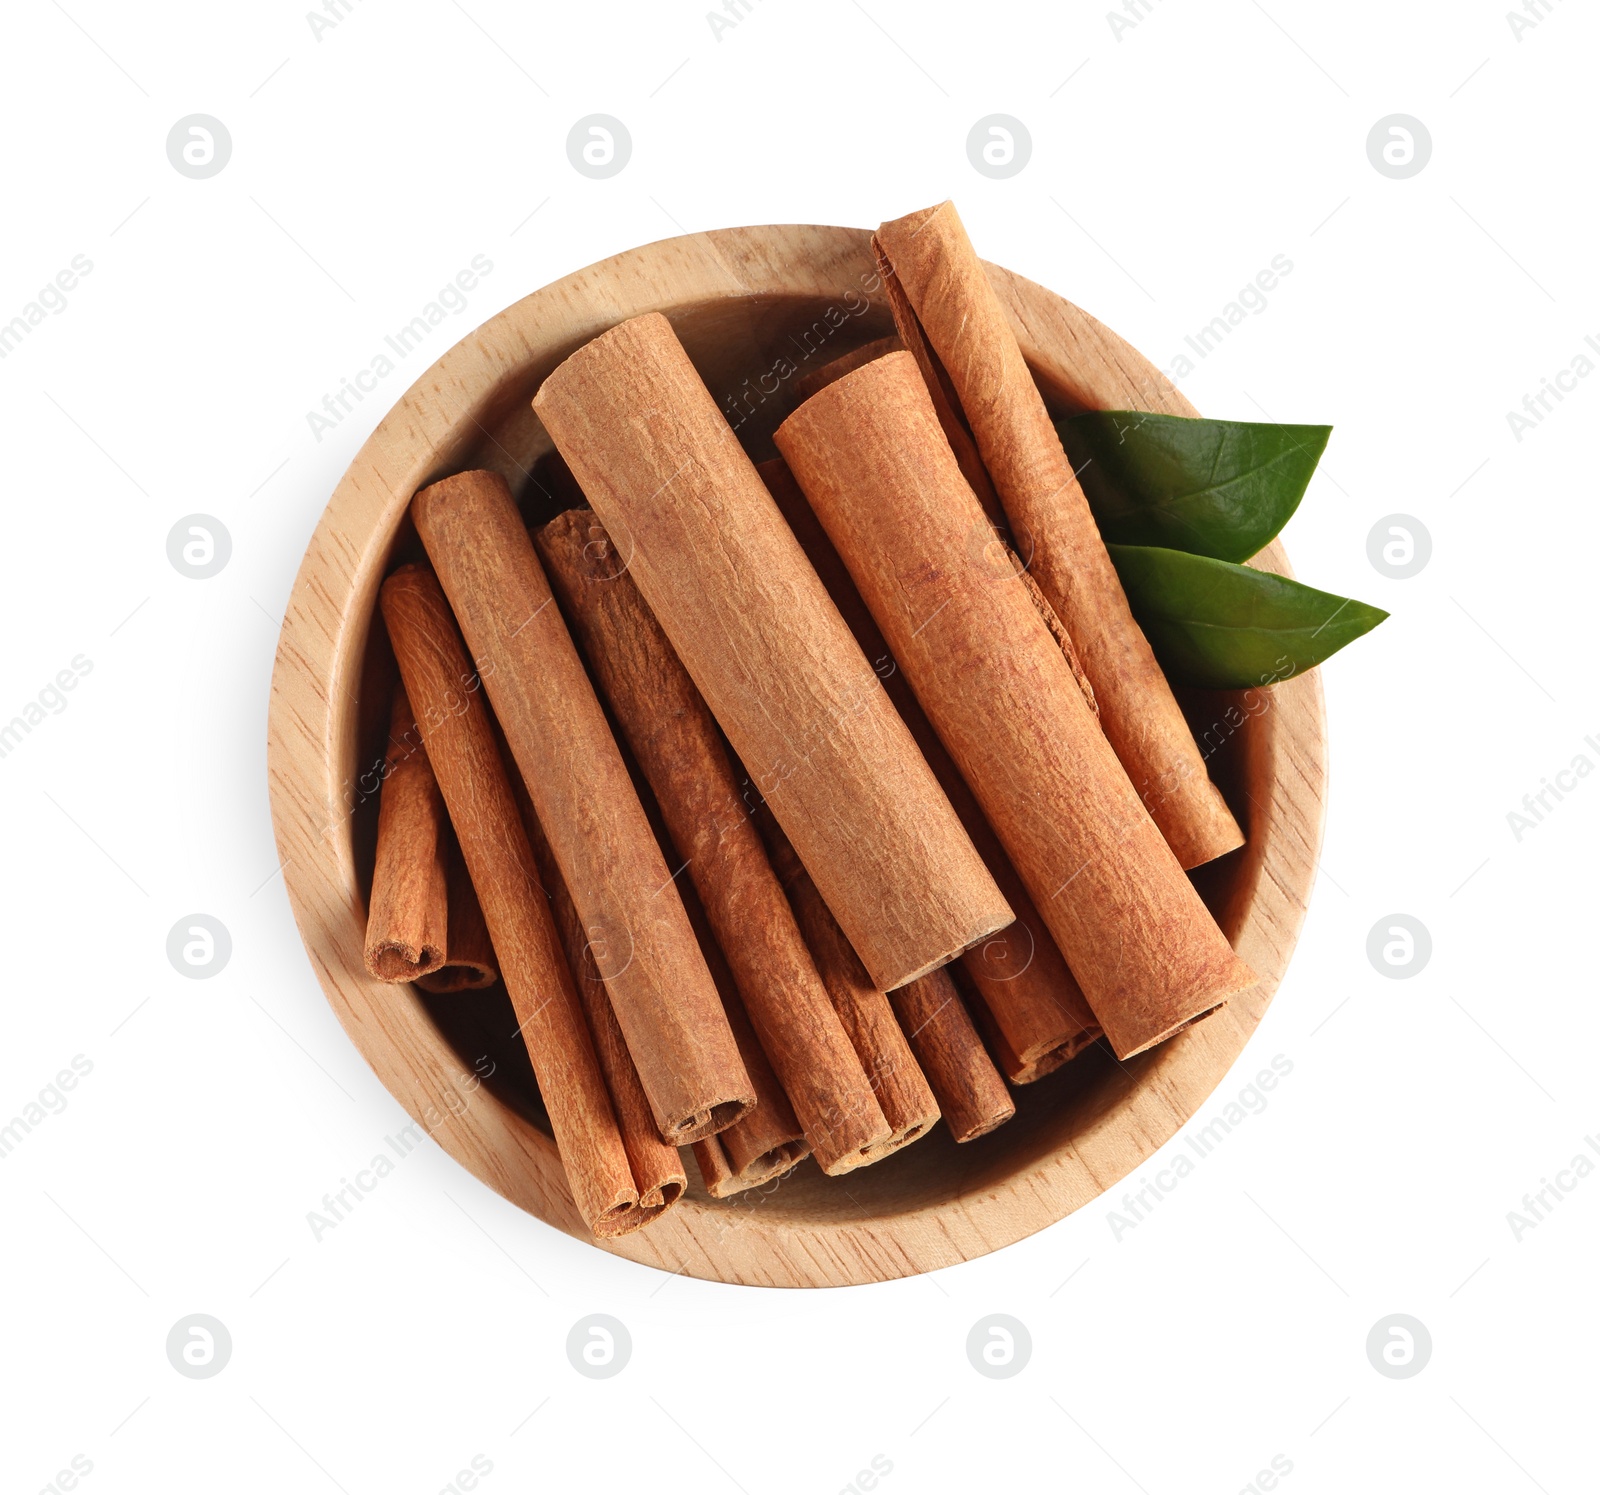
{"x":311,"y":725}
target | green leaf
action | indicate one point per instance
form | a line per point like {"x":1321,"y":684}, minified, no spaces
{"x":1229,"y":627}
{"x":1221,"y":488}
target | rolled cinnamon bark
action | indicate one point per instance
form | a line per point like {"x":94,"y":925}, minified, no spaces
{"x":469,"y":963}
{"x":659,"y":986}
{"x":768,"y":651}
{"x":656,"y":1166}
{"x":1024,"y":983}
{"x":902,"y":1090}
{"x":870,"y":455}
{"x":972,"y":1096}
{"x":946,"y":288}
{"x":946,"y":404}
{"x":808,"y":384}
{"x":681,"y":753}
{"x":455,"y":730}
{"x":408,"y":914}
{"x":768,"y":1139}
{"x":716,"y":1173}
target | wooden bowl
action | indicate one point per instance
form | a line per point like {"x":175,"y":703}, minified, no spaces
{"x":747,"y":303}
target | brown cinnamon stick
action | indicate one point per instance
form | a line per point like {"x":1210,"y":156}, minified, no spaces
{"x":808,"y":384}
{"x":681,"y":753}
{"x":768,"y":1139}
{"x":1020,"y":975}
{"x":642,"y":944}
{"x":455,"y":730}
{"x":872,"y":459}
{"x":972,"y":1096}
{"x":767,"y":650}
{"x":716,"y":1172}
{"x":946,"y":404}
{"x":408,"y":914}
{"x":903,"y":1092}
{"x":946,"y":288}
{"x":469,"y":963}
{"x":656,"y":1167}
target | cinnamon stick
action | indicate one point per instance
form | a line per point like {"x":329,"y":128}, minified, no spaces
{"x":461,"y":747}
{"x":946,"y":404}
{"x":678,"y":747}
{"x":902,"y":1090}
{"x":870,"y":455}
{"x":972,"y":1096}
{"x":808,"y":384}
{"x":768,"y":1139}
{"x":408,"y":914}
{"x":716,"y":1172}
{"x":656,"y":977}
{"x":767,"y":650}
{"x":469,"y":963}
{"x":946,"y":288}
{"x":655,"y":1165}
{"x":1019,"y":973}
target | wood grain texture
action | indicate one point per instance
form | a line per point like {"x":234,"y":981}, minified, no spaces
{"x":739,"y":299}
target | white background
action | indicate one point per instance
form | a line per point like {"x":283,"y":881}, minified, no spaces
{"x":1169,"y":165}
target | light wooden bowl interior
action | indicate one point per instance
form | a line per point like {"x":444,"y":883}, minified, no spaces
{"x":745,"y":302}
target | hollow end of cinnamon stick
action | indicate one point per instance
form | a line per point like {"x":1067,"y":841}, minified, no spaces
{"x":708,"y":1123}
{"x":624,"y":1219}
{"x":664,"y":1195}
{"x":1139,"y":1046}
{"x":469,"y":961}
{"x":457,"y":976}
{"x":723,"y":1181}
{"x":395,"y":960}
{"x":716,"y":1173}
{"x":776,"y":1160}
{"x":1035,"y":1066}
{"x":904,"y":1137}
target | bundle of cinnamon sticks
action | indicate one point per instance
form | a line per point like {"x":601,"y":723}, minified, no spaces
{"x":796,"y":810}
